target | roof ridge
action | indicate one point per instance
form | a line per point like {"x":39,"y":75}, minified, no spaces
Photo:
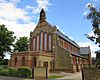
{"x":67,"y":38}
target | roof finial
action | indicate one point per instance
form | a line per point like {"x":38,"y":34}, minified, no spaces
{"x":42,"y":15}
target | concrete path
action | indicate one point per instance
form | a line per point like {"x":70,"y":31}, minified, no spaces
{"x":71,"y":76}
{"x":9,"y":78}
{"x":66,"y":76}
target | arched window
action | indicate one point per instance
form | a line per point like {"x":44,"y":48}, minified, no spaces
{"x":34,"y":61}
{"x":23,"y":61}
{"x":37,"y":43}
{"x":31,"y":41}
{"x":49,"y":42}
{"x":45,"y":42}
{"x":15,"y":62}
{"x":34,"y":47}
{"x":41,"y":41}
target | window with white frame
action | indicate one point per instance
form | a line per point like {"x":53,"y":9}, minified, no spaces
{"x":49,"y":42}
{"x":45,"y":42}
{"x":41,"y":41}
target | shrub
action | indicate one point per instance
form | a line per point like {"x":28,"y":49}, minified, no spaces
{"x":5,"y":72}
{"x":20,"y":72}
{"x":1,"y":68}
{"x":24,"y":72}
{"x":13,"y":72}
{"x":8,"y":72}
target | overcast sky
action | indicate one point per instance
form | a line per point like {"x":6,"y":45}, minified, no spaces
{"x":21,"y":16}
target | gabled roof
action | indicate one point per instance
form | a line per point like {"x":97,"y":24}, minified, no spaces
{"x":43,"y":18}
{"x":85,"y":50}
{"x":78,"y":55}
{"x":59,"y":33}
{"x":67,"y":38}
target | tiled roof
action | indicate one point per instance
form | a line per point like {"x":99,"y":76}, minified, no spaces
{"x":76,"y":54}
{"x":85,"y":50}
{"x":64,"y":36}
{"x":67,"y":39}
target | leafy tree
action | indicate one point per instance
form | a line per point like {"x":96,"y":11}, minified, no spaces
{"x":6,"y":40}
{"x":21,"y":44}
{"x":4,"y":62}
{"x":94,"y":16}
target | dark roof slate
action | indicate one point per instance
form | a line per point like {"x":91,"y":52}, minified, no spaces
{"x":85,"y":50}
{"x":67,"y":38}
{"x":64,"y":36}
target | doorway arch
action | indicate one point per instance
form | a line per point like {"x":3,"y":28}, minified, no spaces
{"x":34,"y":61}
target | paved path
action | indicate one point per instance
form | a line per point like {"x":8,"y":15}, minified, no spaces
{"x":67,"y":76}
{"x":71,"y":76}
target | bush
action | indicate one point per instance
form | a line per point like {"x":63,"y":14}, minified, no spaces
{"x":24,"y":72}
{"x":13,"y":72}
{"x":20,"y":72}
{"x":5,"y":72}
{"x":1,"y":68}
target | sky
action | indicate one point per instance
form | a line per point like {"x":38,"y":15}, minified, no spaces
{"x":21,"y":17}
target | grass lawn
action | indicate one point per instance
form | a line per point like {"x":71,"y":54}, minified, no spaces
{"x":54,"y":77}
{"x":50,"y":77}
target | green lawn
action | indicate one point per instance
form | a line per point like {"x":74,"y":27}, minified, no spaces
{"x":50,"y":77}
{"x":54,"y":77}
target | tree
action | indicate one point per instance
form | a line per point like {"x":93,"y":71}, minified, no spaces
{"x":21,"y":44}
{"x":94,"y":16}
{"x":6,"y":40}
{"x":4,"y":62}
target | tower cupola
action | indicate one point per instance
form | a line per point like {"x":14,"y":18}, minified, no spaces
{"x":42,"y":15}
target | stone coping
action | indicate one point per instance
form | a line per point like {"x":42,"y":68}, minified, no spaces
{"x":34,"y":53}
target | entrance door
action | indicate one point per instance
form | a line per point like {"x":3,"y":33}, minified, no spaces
{"x":45,"y":64}
{"x":77,"y":67}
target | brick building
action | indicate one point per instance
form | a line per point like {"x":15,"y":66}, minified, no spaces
{"x":86,"y":53}
{"x":50,"y":48}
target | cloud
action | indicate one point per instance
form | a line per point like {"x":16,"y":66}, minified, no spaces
{"x":93,"y":47}
{"x":19,"y":29}
{"x":17,"y":19}
{"x":91,"y":33}
{"x":10,"y":14}
{"x":41,"y":4}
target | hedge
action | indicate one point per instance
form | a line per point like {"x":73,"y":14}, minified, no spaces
{"x":23,"y":72}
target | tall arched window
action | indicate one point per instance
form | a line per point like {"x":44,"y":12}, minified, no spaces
{"x":49,"y":42}
{"x":34,"y":61}
{"x":34,"y":47}
{"x":31,"y":41}
{"x":41,"y":41}
{"x":23,"y":61}
{"x":37,"y":43}
{"x":45,"y":42}
{"x":15,"y":62}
